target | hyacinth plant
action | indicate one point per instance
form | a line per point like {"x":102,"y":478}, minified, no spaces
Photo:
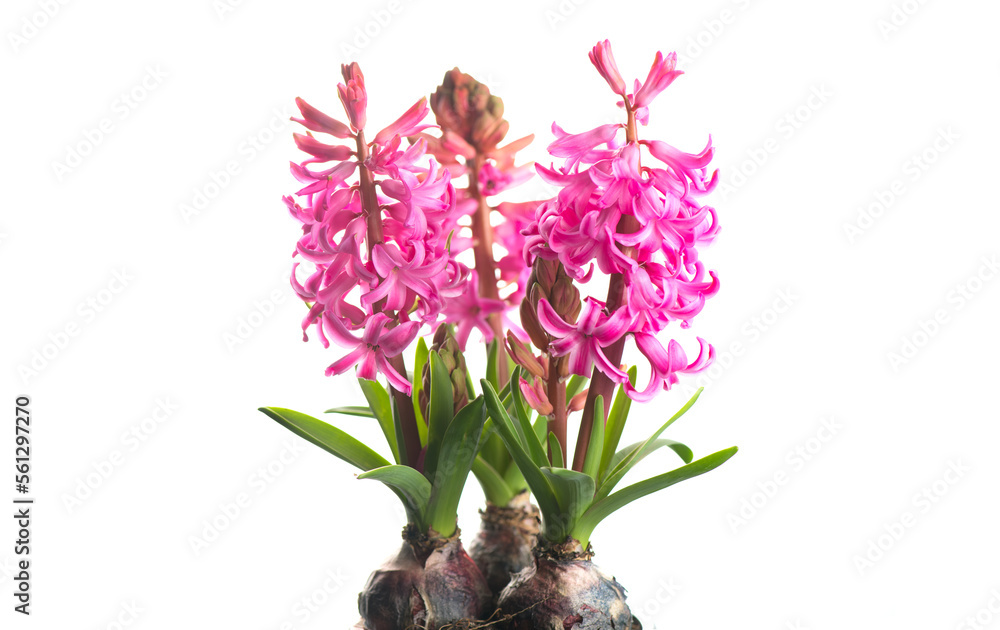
{"x":630,"y":207}
{"x":377,"y":226}
{"x":395,"y":250}
{"x":472,"y":127}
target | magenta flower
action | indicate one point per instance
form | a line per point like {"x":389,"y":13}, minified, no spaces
{"x":373,"y":348}
{"x":379,"y":245}
{"x":604,"y":61}
{"x":583,"y":343}
{"x":629,"y":209}
{"x":406,"y":125}
{"x":666,"y":364}
{"x":403,"y":280}
{"x":353,"y":95}
{"x":468,"y":310}
{"x":661,"y":75}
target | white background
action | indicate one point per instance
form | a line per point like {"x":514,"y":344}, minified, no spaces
{"x":818,"y":110}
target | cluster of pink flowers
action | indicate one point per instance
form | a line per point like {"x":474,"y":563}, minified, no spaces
{"x":377,"y":219}
{"x":638,"y":222}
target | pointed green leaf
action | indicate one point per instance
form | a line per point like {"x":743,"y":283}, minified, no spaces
{"x":615,"y":474}
{"x":353,"y":410}
{"x":440,"y":410}
{"x":603,"y":508}
{"x":458,"y":451}
{"x":327,"y":437}
{"x":555,"y":451}
{"x":539,"y":484}
{"x":378,"y":401}
{"x":595,"y":449}
{"x":397,"y":425}
{"x":574,"y":492}
{"x":681,"y":449}
{"x":541,"y":427}
{"x":616,"y":422}
{"x":494,"y":487}
{"x":410,"y":486}
{"x":419,"y":361}
{"x":492,"y":365}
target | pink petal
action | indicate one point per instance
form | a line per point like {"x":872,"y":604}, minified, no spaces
{"x":316,"y":120}
{"x":604,"y":61}
{"x":407,"y":124}
{"x":551,"y":321}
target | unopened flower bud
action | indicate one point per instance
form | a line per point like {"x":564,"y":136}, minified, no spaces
{"x":465,"y":107}
{"x":523,"y":356}
{"x":534,"y":395}
{"x":451,"y":355}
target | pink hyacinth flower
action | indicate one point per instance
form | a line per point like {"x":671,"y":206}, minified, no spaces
{"x":666,"y":364}
{"x":406,"y":125}
{"x":372,"y":351}
{"x":584,"y":343}
{"x":469,"y":311}
{"x":353,"y":95}
{"x":315,"y":120}
{"x":604,"y":61}
{"x":661,"y":75}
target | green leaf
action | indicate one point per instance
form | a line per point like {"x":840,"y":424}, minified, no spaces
{"x":575,"y":386}
{"x":397,"y":424}
{"x":532,"y":443}
{"x":537,"y":482}
{"x":353,"y":410}
{"x":410,"y":486}
{"x":602,"y":508}
{"x":492,"y":449}
{"x":492,"y":365}
{"x":681,"y":449}
{"x":574,"y":492}
{"x":494,"y":487}
{"x":327,"y":437}
{"x":440,"y":410}
{"x":419,"y":361}
{"x":616,"y":422}
{"x":555,"y":451}
{"x":592,"y":462}
{"x":541,"y":427}
{"x":378,"y":401}
{"x":458,"y":452}
{"x":615,"y":475}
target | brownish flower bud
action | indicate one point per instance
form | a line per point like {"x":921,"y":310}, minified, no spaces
{"x":522,"y":355}
{"x":548,"y":281}
{"x":465,"y":107}
{"x":451,"y":355}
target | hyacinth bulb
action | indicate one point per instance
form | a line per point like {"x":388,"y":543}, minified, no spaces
{"x":429,"y":584}
{"x":564,"y":589}
{"x":503,"y":545}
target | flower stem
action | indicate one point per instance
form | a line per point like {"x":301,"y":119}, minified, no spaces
{"x":373,"y":220}
{"x":600,"y":384}
{"x":486,"y":270}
